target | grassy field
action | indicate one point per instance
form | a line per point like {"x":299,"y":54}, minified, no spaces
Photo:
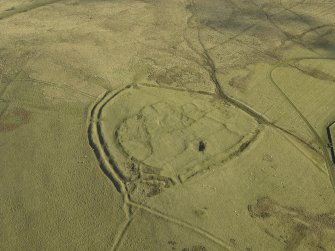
{"x":186,"y":125}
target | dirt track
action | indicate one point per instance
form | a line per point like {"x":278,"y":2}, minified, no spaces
{"x":104,"y":105}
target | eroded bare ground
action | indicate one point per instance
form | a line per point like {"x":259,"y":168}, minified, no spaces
{"x":316,"y":230}
{"x":208,"y":118}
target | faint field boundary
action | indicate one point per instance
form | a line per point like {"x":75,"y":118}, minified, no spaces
{"x":25,"y":8}
{"x":307,"y":2}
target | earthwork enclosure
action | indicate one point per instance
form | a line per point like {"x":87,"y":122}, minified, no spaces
{"x":167,"y":125}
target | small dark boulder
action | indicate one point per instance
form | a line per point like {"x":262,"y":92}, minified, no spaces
{"x":202,"y":146}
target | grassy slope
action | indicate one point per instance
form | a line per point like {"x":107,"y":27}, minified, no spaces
{"x":54,"y":64}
